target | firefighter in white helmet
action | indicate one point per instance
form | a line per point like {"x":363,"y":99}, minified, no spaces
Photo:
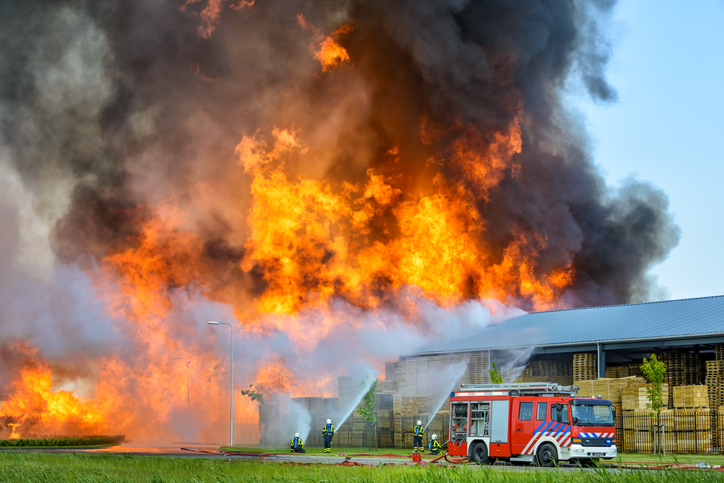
{"x":297,"y":444}
{"x":328,"y":433}
{"x":419,"y":433}
{"x":435,"y":445}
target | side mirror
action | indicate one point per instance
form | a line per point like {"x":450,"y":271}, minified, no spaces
{"x":614,"y":413}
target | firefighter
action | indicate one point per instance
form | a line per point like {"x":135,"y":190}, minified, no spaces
{"x":297,"y":444}
{"x":328,"y":433}
{"x":419,"y":433}
{"x":435,"y":445}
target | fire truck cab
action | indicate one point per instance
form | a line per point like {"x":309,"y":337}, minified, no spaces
{"x":540,"y":423}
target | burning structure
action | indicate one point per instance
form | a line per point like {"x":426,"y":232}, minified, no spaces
{"x":342,"y":181}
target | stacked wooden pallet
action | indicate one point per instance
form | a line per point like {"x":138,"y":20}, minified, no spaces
{"x":719,"y":352}
{"x":548,"y":368}
{"x":623,"y":370}
{"x":608,"y":388}
{"x":638,"y":428}
{"x":715,"y":388}
{"x":616,"y":372}
{"x":691,"y":396}
{"x":390,"y":373}
{"x":715,"y":382}
{"x":385,"y":426}
{"x":682,"y":369}
{"x":404,"y":427}
{"x":693,"y":430}
{"x":410,"y":406}
{"x":562,"y":380}
{"x":719,"y":425}
{"x":422,"y":371}
{"x":559,"y":372}
{"x":634,"y":370}
{"x":346,"y":391}
{"x":638,"y":397}
{"x":478,"y":368}
{"x":584,"y":367}
{"x":387,"y":387}
{"x":611,"y":389}
{"x":637,"y":441}
{"x":357,"y":428}
{"x":667,"y":421}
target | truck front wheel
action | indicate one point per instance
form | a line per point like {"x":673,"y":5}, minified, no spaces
{"x":546,"y":455}
{"x":479,"y":454}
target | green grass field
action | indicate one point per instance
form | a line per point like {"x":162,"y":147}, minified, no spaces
{"x":28,"y":467}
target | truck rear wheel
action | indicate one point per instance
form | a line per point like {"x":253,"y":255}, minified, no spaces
{"x":479,"y":454}
{"x":546,"y":455}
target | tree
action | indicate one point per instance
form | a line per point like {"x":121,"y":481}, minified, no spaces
{"x":495,"y":376}
{"x":259,"y":398}
{"x":253,"y":395}
{"x":366,"y":409}
{"x":654,"y":371}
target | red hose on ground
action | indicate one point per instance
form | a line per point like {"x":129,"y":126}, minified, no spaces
{"x":438,"y":458}
{"x":456,"y":461}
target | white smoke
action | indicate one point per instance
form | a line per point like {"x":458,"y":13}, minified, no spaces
{"x":440,"y":384}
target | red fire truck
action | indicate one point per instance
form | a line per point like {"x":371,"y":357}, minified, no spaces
{"x":525,"y":423}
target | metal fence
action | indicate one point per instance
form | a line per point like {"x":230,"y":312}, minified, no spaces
{"x":682,"y":431}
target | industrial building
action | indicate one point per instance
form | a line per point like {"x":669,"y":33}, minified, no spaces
{"x":563,"y":346}
{"x":617,"y":334}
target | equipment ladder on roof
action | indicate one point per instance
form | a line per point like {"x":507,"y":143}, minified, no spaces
{"x":522,"y":388}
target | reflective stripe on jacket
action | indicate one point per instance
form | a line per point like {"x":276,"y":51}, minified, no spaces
{"x":328,"y":429}
{"x":419,"y":430}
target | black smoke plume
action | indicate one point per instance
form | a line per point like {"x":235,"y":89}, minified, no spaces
{"x":108,"y":106}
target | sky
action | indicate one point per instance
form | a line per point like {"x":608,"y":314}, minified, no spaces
{"x":667,"y":127}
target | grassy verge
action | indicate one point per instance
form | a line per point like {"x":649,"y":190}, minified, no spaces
{"x":56,"y":442}
{"x":44,"y":467}
{"x":320,"y":451}
{"x":42,"y":448}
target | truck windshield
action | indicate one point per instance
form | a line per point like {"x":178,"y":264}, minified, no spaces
{"x":592,"y":414}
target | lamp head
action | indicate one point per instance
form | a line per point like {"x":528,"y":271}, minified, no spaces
{"x":212,"y":322}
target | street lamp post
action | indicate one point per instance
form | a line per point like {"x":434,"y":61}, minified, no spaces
{"x":231,"y":379}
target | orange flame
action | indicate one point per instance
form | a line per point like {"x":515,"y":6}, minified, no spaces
{"x":312,"y":241}
{"x":330,"y":53}
{"x":33,"y":401}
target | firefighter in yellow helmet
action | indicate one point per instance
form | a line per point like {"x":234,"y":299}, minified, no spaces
{"x":435,"y":445}
{"x":419,"y":433}
{"x":328,"y":433}
{"x":297,"y":445}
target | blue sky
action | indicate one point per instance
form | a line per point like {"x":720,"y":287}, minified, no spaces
{"x":668,"y":127}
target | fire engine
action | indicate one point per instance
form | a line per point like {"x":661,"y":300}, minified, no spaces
{"x":526,"y":423}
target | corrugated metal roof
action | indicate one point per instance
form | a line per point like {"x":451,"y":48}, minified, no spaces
{"x":652,"y":320}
